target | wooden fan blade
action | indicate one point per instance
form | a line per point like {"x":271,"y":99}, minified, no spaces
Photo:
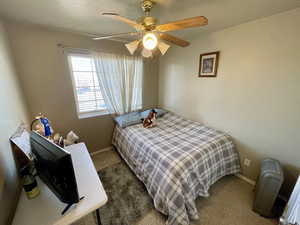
{"x":174,"y":40}
{"x":132,"y":23}
{"x":182,"y":24}
{"x":115,"y":36}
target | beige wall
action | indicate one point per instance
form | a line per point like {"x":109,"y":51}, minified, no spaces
{"x":44,"y":74}
{"x":256,"y":95}
{"x":12,"y":113}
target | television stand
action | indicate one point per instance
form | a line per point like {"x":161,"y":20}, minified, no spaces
{"x":46,"y":208}
{"x":69,"y":206}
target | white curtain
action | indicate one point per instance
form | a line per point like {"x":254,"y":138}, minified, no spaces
{"x":292,"y":212}
{"x":121,"y":80}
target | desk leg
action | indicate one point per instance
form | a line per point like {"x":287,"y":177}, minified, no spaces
{"x":98,"y":217}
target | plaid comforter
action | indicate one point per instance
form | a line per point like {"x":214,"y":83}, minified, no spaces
{"x":178,"y":160}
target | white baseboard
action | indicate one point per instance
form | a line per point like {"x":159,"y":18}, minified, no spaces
{"x":249,"y":181}
{"x":101,"y":150}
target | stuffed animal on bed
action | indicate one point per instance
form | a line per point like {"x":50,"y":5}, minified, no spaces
{"x":149,"y":121}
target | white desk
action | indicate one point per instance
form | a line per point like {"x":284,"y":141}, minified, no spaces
{"x":46,"y":208}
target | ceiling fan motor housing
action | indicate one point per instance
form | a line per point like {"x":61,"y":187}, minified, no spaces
{"x":149,"y":23}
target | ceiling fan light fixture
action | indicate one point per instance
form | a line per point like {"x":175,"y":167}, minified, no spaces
{"x":146,"y":53}
{"x":150,"y":41}
{"x":163,"y":47}
{"x":132,"y":46}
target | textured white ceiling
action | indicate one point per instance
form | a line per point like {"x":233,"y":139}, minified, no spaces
{"x":84,"y":15}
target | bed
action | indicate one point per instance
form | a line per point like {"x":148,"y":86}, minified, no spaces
{"x":178,"y":160}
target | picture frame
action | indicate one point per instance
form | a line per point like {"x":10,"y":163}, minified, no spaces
{"x":208,"y":64}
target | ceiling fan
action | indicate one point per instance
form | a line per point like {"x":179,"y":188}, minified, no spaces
{"x":150,"y":35}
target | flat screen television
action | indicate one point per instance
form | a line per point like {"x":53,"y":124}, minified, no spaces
{"x":55,"y":168}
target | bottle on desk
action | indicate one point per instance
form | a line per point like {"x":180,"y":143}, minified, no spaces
{"x":29,"y":182}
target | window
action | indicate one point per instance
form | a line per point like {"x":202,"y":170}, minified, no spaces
{"x":89,"y":100}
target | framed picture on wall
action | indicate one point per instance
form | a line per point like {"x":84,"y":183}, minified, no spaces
{"x":208,"y":65}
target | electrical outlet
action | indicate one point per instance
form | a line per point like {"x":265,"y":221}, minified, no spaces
{"x":247,"y":162}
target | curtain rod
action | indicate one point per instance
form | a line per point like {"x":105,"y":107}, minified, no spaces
{"x":59,"y":45}
{"x":85,"y":50}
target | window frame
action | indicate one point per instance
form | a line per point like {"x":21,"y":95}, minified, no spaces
{"x":81,"y":115}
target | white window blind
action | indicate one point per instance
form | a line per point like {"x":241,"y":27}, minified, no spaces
{"x":89,"y":100}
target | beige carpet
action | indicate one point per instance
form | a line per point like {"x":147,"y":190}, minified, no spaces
{"x":229,"y":204}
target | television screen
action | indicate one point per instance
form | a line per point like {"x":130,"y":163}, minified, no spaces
{"x":55,"y":168}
